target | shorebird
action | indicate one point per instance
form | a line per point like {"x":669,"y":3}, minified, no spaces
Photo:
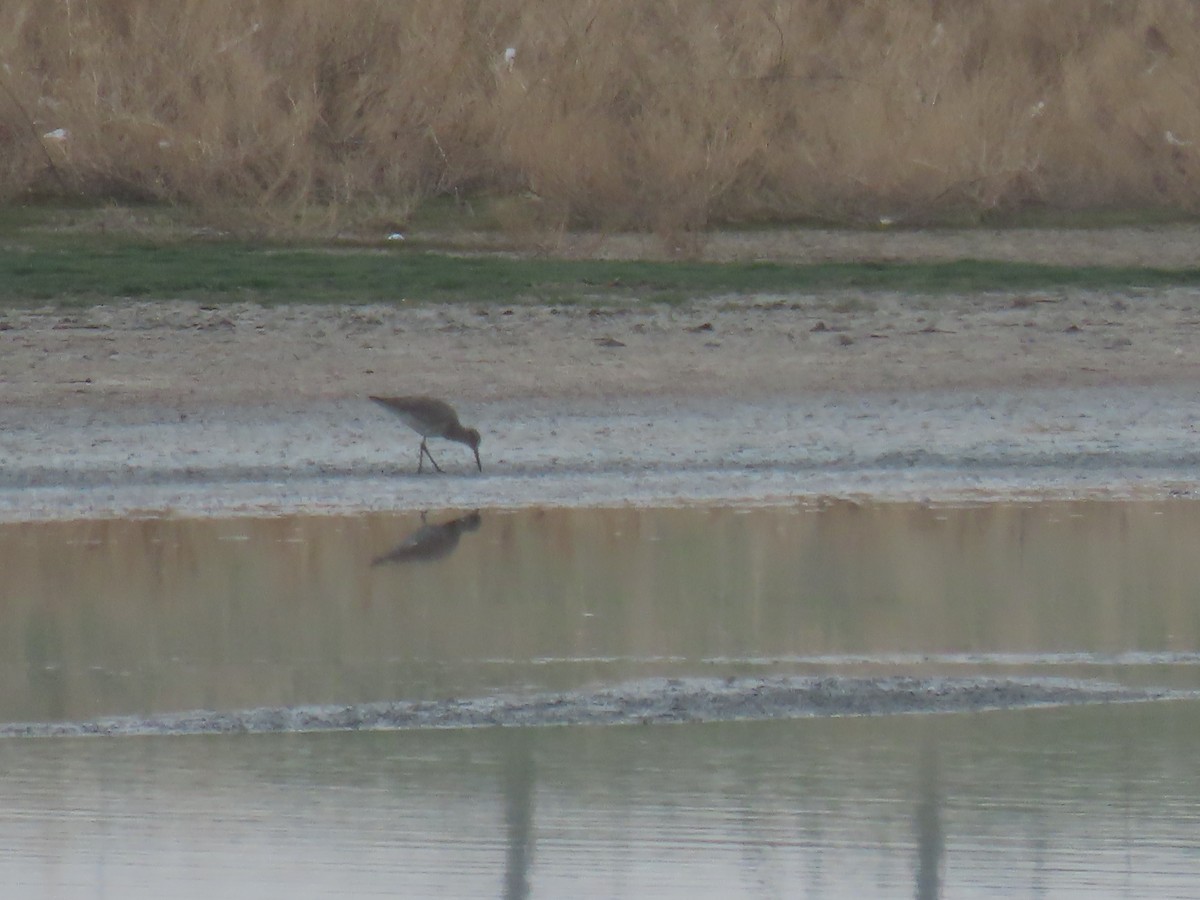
{"x":430,"y":542}
{"x":430,"y":417}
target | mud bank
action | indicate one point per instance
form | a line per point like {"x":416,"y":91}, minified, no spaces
{"x":176,"y":409}
{"x":345,"y":456}
{"x":644,"y":702}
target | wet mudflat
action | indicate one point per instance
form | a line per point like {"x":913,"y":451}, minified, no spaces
{"x":302,"y":690}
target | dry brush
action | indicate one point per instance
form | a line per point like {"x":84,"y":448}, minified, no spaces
{"x":608,"y":113}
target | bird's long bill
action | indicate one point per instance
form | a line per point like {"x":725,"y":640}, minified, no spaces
{"x":477,"y":462}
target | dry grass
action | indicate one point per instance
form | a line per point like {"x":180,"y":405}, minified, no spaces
{"x":667,"y":116}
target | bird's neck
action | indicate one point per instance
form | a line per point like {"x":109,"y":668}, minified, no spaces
{"x":458,"y":433}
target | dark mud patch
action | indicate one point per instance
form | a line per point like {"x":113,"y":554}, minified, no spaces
{"x":656,"y":701}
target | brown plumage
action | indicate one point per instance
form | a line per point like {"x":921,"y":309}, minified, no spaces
{"x":430,"y":417}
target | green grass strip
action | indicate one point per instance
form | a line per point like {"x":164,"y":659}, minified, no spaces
{"x":89,"y":271}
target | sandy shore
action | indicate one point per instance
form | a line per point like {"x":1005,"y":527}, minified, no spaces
{"x":178,"y":408}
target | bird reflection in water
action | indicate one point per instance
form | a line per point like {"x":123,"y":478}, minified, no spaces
{"x":430,"y":542}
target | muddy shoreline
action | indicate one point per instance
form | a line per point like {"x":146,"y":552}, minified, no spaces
{"x":654,"y":701}
{"x":177,"y":409}
{"x":342,"y":457}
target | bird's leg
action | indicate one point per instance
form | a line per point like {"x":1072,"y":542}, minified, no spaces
{"x":421,"y":456}
{"x":425,"y":450}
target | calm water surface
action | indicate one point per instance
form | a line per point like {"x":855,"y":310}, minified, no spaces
{"x":1087,"y":802}
{"x":136,"y":617}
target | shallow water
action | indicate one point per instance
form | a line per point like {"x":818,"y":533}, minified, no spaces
{"x":1088,"y":802}
{"x":139,"y":618}
{"x":157,"y":615}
